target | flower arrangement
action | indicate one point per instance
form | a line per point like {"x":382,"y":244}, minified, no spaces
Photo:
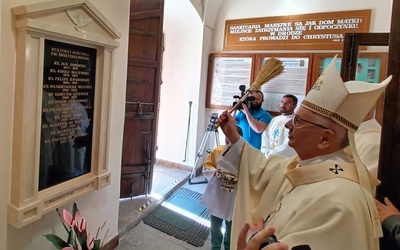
{"x":78,"y":236}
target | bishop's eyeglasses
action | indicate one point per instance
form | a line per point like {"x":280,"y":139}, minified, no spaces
{"x":297,"y":121}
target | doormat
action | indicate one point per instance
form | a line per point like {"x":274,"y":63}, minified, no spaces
{"x":182,"y":216}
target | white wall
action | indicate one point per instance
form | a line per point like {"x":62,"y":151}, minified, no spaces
{"x":4,"y":153}
{"x":181,"y":69}
{"x":96,"y":206}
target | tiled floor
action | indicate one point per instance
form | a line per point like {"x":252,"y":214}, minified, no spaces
{"x":134,"y":234}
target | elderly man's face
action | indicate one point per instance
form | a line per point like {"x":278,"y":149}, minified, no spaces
{"x":304,"y":132}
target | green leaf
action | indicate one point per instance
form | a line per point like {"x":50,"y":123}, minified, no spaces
{"x":57,"y":241}
{"x":62,"y":220}
{"x":71,"y":238}
{"x":74,"y":209}
{"x":80,"y":236}
{"x":84,"y":235}
{"x":97,"y":244}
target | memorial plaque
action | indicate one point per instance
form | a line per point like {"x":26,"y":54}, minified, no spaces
{"x":67,"y":112}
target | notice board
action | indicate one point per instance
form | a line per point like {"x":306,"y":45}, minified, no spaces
{"x":293,"y":80}
{"x":226,"y":73}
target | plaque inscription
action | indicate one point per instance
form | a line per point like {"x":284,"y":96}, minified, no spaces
{"x":67,"y":112}
{"x":323,"y":31}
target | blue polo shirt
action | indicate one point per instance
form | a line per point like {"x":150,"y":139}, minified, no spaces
{"x":249,"y":134}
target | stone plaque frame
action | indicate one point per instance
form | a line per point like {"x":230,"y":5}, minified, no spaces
{"x":75,"y":22}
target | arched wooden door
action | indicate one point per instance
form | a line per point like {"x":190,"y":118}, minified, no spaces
{"x":142,"y":96}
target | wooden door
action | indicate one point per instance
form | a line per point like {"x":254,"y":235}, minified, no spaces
{"x":142,"y":96}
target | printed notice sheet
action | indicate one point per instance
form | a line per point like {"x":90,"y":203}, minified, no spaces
{"x":293,"y":80}
{"x":228,"y":74}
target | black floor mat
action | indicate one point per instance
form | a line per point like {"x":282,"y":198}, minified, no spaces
{"x":168,"y":220}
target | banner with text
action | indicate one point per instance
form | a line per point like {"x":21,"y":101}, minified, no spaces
{"x":318,"y":31}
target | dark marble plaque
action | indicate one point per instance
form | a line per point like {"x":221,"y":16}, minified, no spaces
{"x":67,"y":112}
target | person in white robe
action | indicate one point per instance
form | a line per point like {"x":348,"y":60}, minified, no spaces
{"x":219,"y":202}
{"x":368,"y":142}
{"x":319,"y":198}
{"x":274,"y":139}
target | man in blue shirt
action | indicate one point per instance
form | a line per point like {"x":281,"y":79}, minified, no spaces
{"x":253,"y":121}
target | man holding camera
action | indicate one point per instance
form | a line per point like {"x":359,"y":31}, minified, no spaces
{"x":253,"y":120}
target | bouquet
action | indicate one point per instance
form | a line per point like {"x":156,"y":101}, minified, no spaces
{"x":78,"y":236}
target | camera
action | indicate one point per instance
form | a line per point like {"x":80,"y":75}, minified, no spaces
{"x":213,"y":121}
{"x":246,"y":101}
{"x":270,"y":240}
{"x":213,"y":118}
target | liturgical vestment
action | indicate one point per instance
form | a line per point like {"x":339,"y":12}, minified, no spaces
{"x":317,"y":202}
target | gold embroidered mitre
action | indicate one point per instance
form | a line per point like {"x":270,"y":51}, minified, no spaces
{"x":346,"y":103}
